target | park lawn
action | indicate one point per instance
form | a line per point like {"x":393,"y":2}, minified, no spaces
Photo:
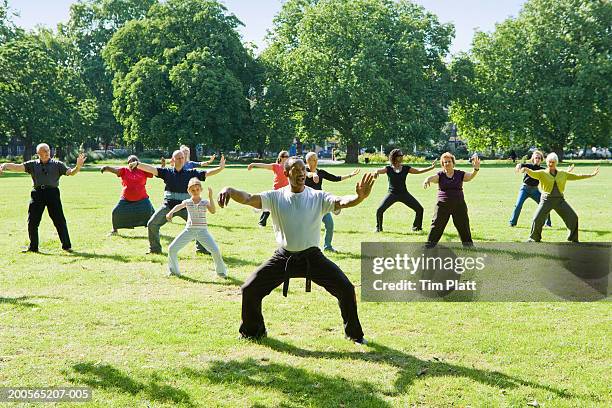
{"x":106,"y":316}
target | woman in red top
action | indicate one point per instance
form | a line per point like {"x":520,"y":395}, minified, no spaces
{"x":134,"y":207}
{"x":280,"y":180}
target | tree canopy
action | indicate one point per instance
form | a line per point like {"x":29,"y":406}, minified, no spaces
{"x":540,"y":79}
{"x":372,"y":70}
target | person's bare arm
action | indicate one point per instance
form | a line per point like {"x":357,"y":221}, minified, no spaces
{"x":209,"y":162}
{"x":362,"y":191}
{"x":476,"y":165}
{"x":351,"y":174}
{"x":211,"y":202}
{"x":110,"y":169}
{"x":12,"y":167}
{"x":426,"y":169}
{"x":144,"y":167}
{"x":176,"y":208}
{"x":218,"y":169}
{"x":266,"y":166}
{"x":431,"y":179}
{"x":242,"y":197}
{"x":378,"y":172}
{"x":75,"y":170}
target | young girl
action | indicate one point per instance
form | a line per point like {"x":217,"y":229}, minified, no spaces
{"x":280,"y":180}
{"x":196,"y":228}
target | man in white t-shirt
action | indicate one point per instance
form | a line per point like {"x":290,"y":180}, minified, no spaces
{"x":296,"y":214}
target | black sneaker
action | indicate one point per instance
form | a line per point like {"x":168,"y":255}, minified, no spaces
{"x":360,"y":342}
{"x":417,"y":229}
{"x":203,"y":251}
{"x":152,"y":252}
{"x":25,"y":251}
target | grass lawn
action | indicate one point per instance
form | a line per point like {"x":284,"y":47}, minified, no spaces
{"x":106,"y":316}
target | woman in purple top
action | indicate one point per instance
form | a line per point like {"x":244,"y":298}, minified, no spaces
{"x":450,"y":199}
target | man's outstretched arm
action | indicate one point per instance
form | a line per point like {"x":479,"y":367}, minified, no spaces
{"x":242,"y":197}
{"x":362,"y":190}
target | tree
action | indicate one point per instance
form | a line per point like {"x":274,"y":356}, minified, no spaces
{"x":41,"y":97}
{"x":540,"y":79}
{"x":92,"y":24}
{"x":372,"y":70}
{"x":181,"y":75}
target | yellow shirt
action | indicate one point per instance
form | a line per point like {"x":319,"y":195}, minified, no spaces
{"x":547,"y":180}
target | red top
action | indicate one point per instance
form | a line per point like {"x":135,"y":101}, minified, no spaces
{"x":280,"y":180}
{"x":134,"y":182}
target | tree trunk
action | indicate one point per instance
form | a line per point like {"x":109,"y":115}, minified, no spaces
{"x":28,"y":148}
{"x":559,"y":150}
{"x":352,"y":151}
{"x":193,"y":152}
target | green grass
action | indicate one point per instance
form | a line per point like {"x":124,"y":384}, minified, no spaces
{"x":106,"y":316}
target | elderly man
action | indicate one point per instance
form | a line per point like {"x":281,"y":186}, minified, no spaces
{"x":176,"y":179}
{"x":46,"y":173}
{"x":296,"y":213}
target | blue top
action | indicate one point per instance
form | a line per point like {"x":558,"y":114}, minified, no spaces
{"x":177,"y":181}
{"x":191,"y":165}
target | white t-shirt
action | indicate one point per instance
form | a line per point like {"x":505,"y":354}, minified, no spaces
{"x":296,"y":217}
{"x":196,"y":213}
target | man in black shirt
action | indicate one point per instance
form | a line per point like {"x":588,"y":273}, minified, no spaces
{"x":314,"y":179}
{"x":176,"y":179}
{"x":45,"y":173}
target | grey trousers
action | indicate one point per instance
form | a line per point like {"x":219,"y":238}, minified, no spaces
{"x":155,"y":223}
{"x":567,"y":214}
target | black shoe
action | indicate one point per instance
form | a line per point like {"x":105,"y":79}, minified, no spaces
{"x":261,"y":225}
{"x":203,"y":251}
{"x":67,"y":249}
{"x":253,"y":338}
{"x":416,"y":229}
{"x":360,"y":342}
{"x":25,"y":251}
{"x":152,"y":252}
{"x":378,"y":229}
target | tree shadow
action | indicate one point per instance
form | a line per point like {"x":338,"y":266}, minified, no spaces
{"x":22,"y":301}
{"x":90,"y":255}
{"x":229,"y":281}
{"x":302,"y":387}
{"x":166,"y":238}
{"x":234,"y":227}
{"x":232,"y":261}
{"x":411,"y":367}
{"x":107,"y":377}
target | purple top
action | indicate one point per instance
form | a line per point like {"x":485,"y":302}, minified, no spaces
{"x":450,"y":188}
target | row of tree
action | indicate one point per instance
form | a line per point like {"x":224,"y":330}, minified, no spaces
{"x":369,"y":72}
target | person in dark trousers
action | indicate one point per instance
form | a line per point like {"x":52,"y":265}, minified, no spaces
{"x":46,"y":173}
{"x":396,"y":173}
{"x":176,"y":179}
{"x":296,"y":212}
{"x":280,"y":180}
{"x":552,"y":181}
{"x":314,"y":179}
{"x":450,"y":199}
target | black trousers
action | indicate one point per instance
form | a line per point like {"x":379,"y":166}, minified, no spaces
{"x":49,"y":198}
{"x":285,"y":265}
{"x":405,"y":198}
{"x":444,"y":209}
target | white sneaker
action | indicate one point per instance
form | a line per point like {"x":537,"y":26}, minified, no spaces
{"x":171,"y":273}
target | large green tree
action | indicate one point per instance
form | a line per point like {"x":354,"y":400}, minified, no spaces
{"x":541,"y":79}
{"x":91,"y":25}
{"x":372,"y":70}
{"x":41,"y":95}
{"x":182,"y":75}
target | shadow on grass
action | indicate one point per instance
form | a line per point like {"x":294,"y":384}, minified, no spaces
{"x":233,"y":261}
{"x":235,"y":227}
{"x":229,"y":281}
{"x":166,"y":238}
{"x":22,"y":301}
{"x":301,"y":387}
{"x":107,"y":377}
{"x":411,"y":367}
{"x":90,"y":255}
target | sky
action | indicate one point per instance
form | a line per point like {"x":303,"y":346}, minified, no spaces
{"x":257,"y":15}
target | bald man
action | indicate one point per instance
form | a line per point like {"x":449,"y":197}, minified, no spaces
{"x":45,"y":173}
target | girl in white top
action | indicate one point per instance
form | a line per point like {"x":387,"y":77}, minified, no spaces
{"x":196,"y":228}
